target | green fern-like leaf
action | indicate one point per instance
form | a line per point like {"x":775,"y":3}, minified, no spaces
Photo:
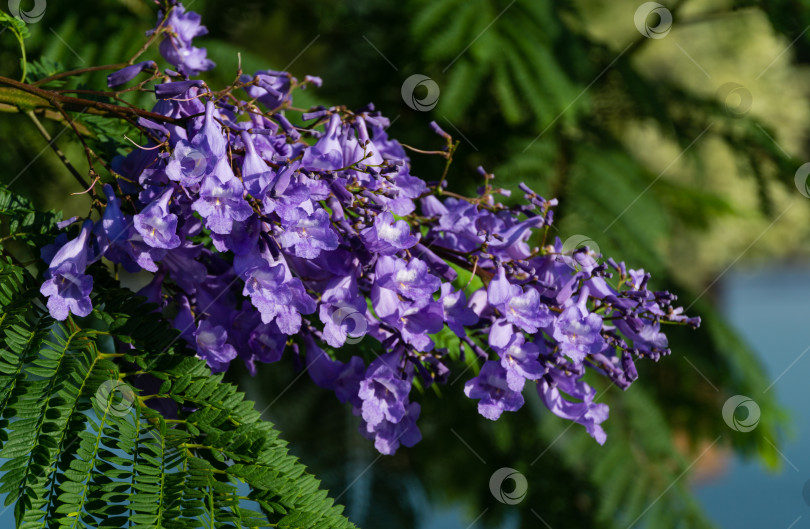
{"x":82,"y":447}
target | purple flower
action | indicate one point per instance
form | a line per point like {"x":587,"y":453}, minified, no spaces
{"x":410,"y":279}
{"x":256,"y":174}
{"x":212,"y":347}
{"x":578,"y":331}
{"x":327,"y":153}
{"x":520,"y":360}
{"x":587,"y":412}
{"x":176,"y":46}
{"x":518,"y":305}
{"x":272,"y":88}
{"x":267,"y":343}
{"x":243,"y":238}
{"x":387,"y":237}
{"x":491,"y":388}
{"x":513,"y":243}
{"x":414,"y":321}
{"x":114,"y":233}
{"x":68,"y":287}
{"x":308,"y":235}
{"x":220,"y":204}
{"x":646,"y":336}
{"x":156,"y":225}
{"x":210,"y":139}
{"x":113,"y":223}
{"x":277,"y":297}
{"x":361,"y":149}
{"x":324,"y":221}
{"x":388,"y":436}
{"x":383,"y":391}
{"x":343,"y":379}
{"x":457,"y":314}
{"x":128,"y":73}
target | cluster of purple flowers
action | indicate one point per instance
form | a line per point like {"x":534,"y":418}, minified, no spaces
{"x":263,"y":235}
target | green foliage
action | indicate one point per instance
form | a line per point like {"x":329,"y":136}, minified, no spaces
{"x":640,"y":478}
{"x":506,"y":45}
{"x":24,"y":222}
{"x":20,"y":31}
{"x":81,"y":446}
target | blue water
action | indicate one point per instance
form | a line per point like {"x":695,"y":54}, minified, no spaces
{"x":771,"y":309}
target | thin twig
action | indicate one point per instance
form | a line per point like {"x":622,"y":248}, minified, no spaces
{"x":45,"y":134}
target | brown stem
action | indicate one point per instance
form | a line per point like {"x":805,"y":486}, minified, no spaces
{"x":84,"y":105}
{"x":79,"y":71}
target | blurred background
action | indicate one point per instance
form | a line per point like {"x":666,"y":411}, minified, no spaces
{"x":672,"y":135}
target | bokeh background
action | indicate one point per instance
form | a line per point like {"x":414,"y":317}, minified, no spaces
{"x":675,"y":151}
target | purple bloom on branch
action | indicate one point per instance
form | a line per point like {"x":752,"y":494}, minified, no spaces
{"x":587,"y":412}
{"x":578,"y":331}
{"x":127,"y":73}
{"x":327,"y":153}
{"x":68,"y":287}
{"x":256,"y":174}
{"x":410,"y":279}
{"x":220,"y":204}
{"x":520,"y":360}
{"x":491,"y":388}
{"x":278,"y":298}
{"x":267,"y":343}
{"x":384,"y":392}
{"x":308,"y":235}
{"x":387,"y":237}
{"x":212,"y":347}
{"x":457,"y":314}
{"x":272,"y":88}
{"x":343,"y":379}
{"x":176,"y":47}
{"x":521,"y":306}
{"x":156,"y":225}
{"x":388,"y":436}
